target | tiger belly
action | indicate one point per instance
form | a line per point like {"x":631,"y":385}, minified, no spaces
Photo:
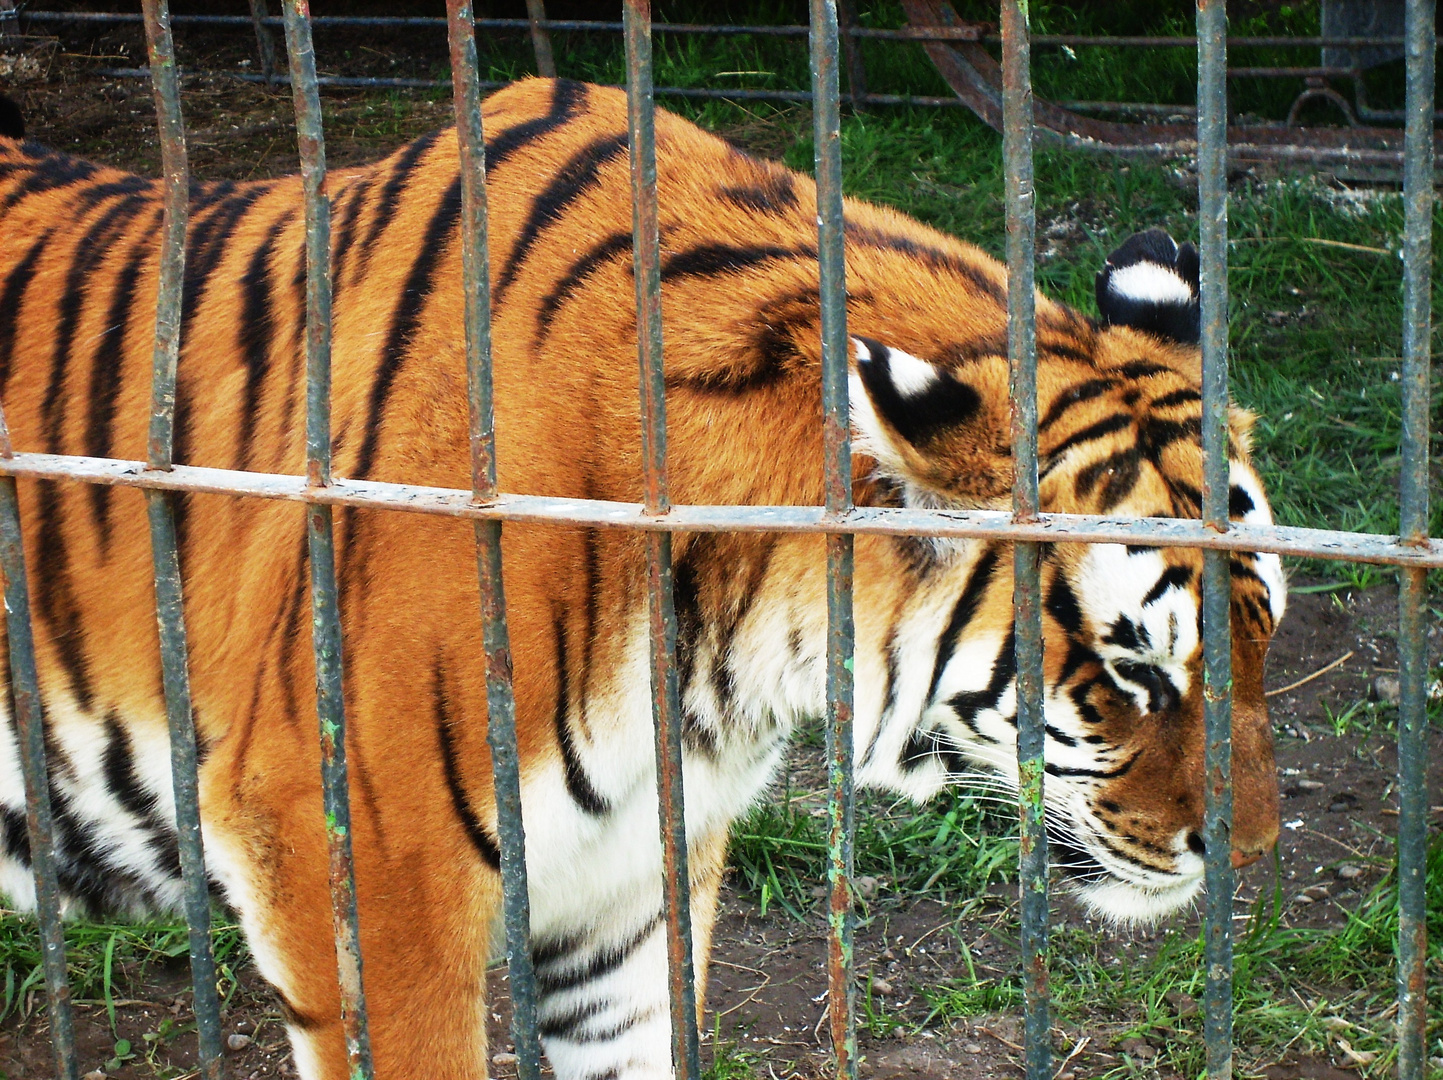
{"x":113,"y":810}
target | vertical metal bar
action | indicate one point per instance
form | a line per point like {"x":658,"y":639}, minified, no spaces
{"x":541,"y":39}
{"x":165,"y":556}
{"x":666,"y":703}
{"x":500,"y":700}
{"x":1413,"y":529}
{"x":325,"y":613}
{"x":852,"y":50}
{"x":837,"y":481}
{"x":1021,"y":214}
{"x":30,"y":734}
{"x":1217,"y":589}
{"x":265,"y":44}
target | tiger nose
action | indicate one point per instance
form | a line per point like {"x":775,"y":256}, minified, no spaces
{"x":1243,"y":858}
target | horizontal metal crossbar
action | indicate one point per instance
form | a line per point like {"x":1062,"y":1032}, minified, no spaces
{"x":596,"y":513}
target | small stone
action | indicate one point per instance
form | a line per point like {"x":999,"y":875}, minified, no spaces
{"x":866,"y":887}
{"x":1342,"y":802}
{"x":1348,"y":872}
{"x":1387,"y":689}
{"x":237,"y":1041}
{"x":1310,"y":785}
{"x":1138,"y":1048}
{"x":880,"y":986}
{"x":96,"y":1075}
{"x":1317,"y":892}
{"x":971,"y":1048}
{"x":503,"y":1059}
{"x":1303,"y":898}
{"x":1185,"y":1004}
{"x":245,"y":1027}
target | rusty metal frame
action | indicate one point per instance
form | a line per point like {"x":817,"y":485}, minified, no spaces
{"x":1022,"y":120}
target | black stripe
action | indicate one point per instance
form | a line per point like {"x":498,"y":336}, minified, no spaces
{"x":578,"y":784}
{"x":1176,"y":397}
{"x":475,"y":832}
{"x":1091,"y":433}
{"x":12,"y":294}
{"x":256,"y":330}
{"x":1240,"y":503}
{"x":578,"y":176}
{"x":96,"y":194}
{"x":108,"y":372}
{"x":346,"y":233}
{"x":576,"y":275}
{"x":390,"y":194}
{"x":970,"y":703}
{"x":773,"y":193}
{"x":1062,"y":605}
{"x":932,"y":257}
{"x":51,"y":172}
{"x":711,"y":260}
{"x":122,"y":781}
{"x":1174,"y":577}
{"x":1118,"y":473}
{"x":405,"y":319}
{"x":1141,"y":369}
{"x":567,"y":99}
{"x":963,"y":612}
{"x":1083,"y":391}
{"x":919,"y":418}
{"x":554,"y":972}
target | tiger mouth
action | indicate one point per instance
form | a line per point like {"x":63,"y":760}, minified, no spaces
{"x":1115,"y":899}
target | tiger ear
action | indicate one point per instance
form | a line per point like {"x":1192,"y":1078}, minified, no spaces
{"x":902,"y":404}
{"x":1150,"y":283}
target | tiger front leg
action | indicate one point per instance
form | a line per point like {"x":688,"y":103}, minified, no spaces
{"x":602,"y":985}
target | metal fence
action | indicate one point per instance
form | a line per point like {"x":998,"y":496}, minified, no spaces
{"x":1413,"y":552}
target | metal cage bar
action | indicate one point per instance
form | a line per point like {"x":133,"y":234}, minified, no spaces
{"x":665,"y":685}
{"x":325,"y":612}
{"x":1216,"y":584}
{"x":500,"y":698}
{"x":165,"y":555}
{"x":837,"y":485}
{"x":1026,"y":562}
{"x":1413,"y":529}
{"x":30,"y":733}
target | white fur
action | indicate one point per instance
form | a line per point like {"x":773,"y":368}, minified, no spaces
{"x":910,"y":375}
{"x":1149,"y":283}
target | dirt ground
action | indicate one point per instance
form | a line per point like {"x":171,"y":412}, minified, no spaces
{"x":768,"y":988}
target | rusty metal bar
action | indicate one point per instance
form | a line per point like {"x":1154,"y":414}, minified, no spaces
{"x":540,"y":38}
{"x":1027,"y":580}
{"x":325,"y":613}
{"x":852,"y":50}
{"x":1413,"y":529}
{"x":972,"y":524}
{"x":837,"y":484}
{"x":29,"y":722}
{"x":665,"y":691}
{"x":265,"y":43}
{"x":1217,"y":586}
{"x":165,"y":556}
{"x":500,"y":699}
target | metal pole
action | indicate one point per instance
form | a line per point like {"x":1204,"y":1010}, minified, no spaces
{"x":541,"y":39}
{"x":665,"y":692}
{"x":1413,"y":529}
{"x":325,"y":613}
{"x":1217,"y":586}
{"x":165,"y":555}
{"x":1027,"y":583}
{"x":500,"y":699}
{"x":265,"y":43}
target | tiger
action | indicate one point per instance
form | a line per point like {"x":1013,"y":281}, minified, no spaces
{"x":935,"y":688}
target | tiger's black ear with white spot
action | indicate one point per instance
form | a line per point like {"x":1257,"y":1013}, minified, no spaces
{"x":906,"y":402}
{"x":1151,"y":284}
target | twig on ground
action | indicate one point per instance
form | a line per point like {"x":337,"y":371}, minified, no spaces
{"x":1309,"y":678}
{"x":1081,"y":1043}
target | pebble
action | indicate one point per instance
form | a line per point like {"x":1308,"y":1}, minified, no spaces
{"x":503,"y":1059}
{"x":237,"y":1041}
{"x":1387,"y":688}
{"x":866,"y":887}
{"x":1317,"y":892}
{"x":96,"y":1075}
{"x":881,"y":986}
{"x":1310,"y":785}
{"x":1348,"y":871}
{"x":971,"y":1048}
{"x":1344,"y":800}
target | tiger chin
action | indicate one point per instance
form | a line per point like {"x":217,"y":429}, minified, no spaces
{"x":935,"y":701}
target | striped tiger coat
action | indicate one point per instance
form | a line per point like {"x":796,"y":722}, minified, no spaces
{"x":935,"y":697}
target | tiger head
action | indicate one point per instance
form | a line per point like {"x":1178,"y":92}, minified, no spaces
{"x":1119,"y":421}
